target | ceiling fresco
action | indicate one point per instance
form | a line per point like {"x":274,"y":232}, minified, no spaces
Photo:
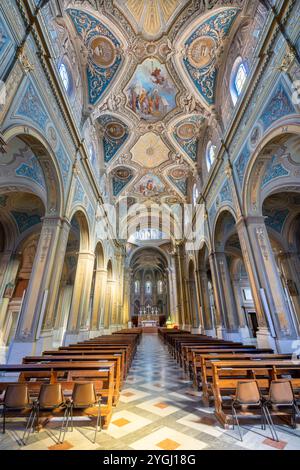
{"x":151,"y":93}
{"x":150,"y":17}
{"x":202,"y":49}
{"x":151,"y":68}
{"x":150,"y":151}
{"x":103,"y":49}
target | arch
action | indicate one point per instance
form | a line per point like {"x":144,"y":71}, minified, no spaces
{"x":224,"y":224}
{"x":109,"y":269}
{"x":99,"y":255}
{"x":252,"y":193}
{"x":79,"y":215}
{"x":46,"y":158}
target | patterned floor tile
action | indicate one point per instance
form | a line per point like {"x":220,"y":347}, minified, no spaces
{"x":160,"y":406}
{"x":125,"y":422}
{"x":167,"y":439}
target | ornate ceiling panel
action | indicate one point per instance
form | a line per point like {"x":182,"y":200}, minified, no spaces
{"x":186,"y":135}
{"x":203,"y":47}
{"x":151,"y":92}
{"x":150,"y":151}
{"x":151,"y":18}
{"x":103,"y":52}
{"x":120,"y":178}
{"x":114,"y":133}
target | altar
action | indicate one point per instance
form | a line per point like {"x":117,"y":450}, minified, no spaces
{"x":149,"y":323}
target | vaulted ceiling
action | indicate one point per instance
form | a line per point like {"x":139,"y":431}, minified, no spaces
{"x":150,"y":69}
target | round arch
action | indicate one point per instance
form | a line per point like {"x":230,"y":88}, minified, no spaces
{"x":46,"y":158}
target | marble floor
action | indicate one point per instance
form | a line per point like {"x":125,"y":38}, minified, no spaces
{"x":158,"y":410}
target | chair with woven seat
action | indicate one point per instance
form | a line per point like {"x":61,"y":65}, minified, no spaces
{"x":281,"y":398}
{"x":85,"y":399}
{"x":16,"y":402}
{"x":248,"y":396}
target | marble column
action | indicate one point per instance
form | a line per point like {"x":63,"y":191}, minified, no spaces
{"x":9,"y":269}
{"x":205,"y":301}
{"x":219,"y":320}
{"x":81,"y":297}
{"x":276,"y":307}
{"x":51,"y":310}
{"x":228,"y":301}
{"x":37,"y":296}
{"x":108,"y":305}
{"x":290,"y":266}
{"x":99,"y":293}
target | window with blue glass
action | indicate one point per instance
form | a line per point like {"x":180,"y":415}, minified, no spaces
{"x":210,"y":155}
{"x":238,"y":78}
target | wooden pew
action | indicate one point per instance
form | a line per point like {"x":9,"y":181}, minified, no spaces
{"x":187,"y":355}
{"x":226,"y":375}
{"x":206,"y":372}
{"x":104,"y":373}
{"x":74,"y":358}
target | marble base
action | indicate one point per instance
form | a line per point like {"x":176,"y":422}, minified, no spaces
{"x":265,"y":340}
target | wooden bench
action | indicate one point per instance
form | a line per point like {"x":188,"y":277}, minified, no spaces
{"x":98,"y":358}
{"x":205,"y":370}
{"x":29,"y":373}
{"x":226,"y":375}
{"x":187,"y":355}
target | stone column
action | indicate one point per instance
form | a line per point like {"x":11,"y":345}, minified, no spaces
{"x":51,"y":311}
{"x":9,"y":269}
{"x":199,"y":301}
{"x":219,"y":320}
{"x":289,"y":266}
{"x":81,"y":296}
{"x":205,"y":302}
{"x":108,"y":305}
{"x":126,"y":298}
{"x":99,"y":294}
{"x":270,"y":282}
{"x":37,"y":296}
{"x":228,"y":302}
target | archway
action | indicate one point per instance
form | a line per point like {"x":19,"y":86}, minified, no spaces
{"x":237,"y":311}
{"x":97,"y":295}
{"x":208,"y":308}
{"x":273,"y":170}
{"x":149,"y":290}
{"x":20,"y":229}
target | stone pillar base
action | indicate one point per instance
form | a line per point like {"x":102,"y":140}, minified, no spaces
{"x":95,"y":333}
{"x":187,"y":327}
{"x":197,"y":331}
{"x":211,"y":333}
{"x":265,"y":340}
{"x":285,"y":346}
{"x":220,"y":332}
{"x":20,"y":349}
{"x":232,"y":336}
{"x":246,"y":336}
{"x":70,"y":338}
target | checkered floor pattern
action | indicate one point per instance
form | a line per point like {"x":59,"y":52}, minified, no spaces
{"x":158,"y":410}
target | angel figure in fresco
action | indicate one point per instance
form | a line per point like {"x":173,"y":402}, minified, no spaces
{"x":158,"y":78}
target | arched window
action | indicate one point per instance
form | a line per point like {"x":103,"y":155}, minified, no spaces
{"x":160,"y":287}
{"x":238,"y":79}
{"x":64,"y":75}
{"x":137,"y":287}
{"x":148,"y":287}
{"x":210,"y":155}
{"x":195,"y":194}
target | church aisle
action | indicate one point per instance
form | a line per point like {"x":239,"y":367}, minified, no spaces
{"x":158,"y":409}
